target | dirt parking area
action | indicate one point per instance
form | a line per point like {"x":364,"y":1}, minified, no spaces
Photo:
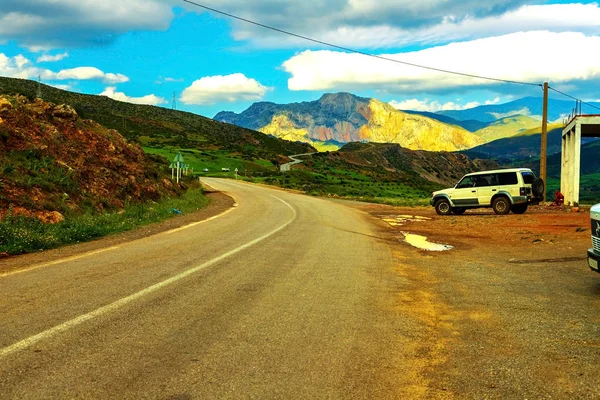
{"x":510,"y":311}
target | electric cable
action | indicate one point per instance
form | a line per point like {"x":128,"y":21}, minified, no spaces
{"x":358,"y":51}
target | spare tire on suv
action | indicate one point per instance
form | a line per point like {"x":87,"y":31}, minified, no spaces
{"x":538,"y":187}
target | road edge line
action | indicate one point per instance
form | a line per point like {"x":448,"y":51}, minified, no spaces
{"x":25,"y":343}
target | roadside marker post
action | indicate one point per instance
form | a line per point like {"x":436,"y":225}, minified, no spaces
{"x":236,"y":173}
{"x":178,"y":161}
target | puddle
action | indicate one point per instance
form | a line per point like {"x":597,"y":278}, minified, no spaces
{"x":399,"y":220}
{"x":420,"y":242}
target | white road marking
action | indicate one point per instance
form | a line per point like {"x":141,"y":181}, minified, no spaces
{"x":203,"y":221}
{"x":23,"y":344}
{"x":94,"y":252}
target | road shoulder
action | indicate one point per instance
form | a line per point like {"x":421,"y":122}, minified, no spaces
{"x":219,"y":202}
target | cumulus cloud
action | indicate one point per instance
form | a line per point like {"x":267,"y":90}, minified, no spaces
{"x":523,"y":56}
{"x":54,"y":58}
{"x":230,"y":88}
{"x":91,"y":73}
{"x":44,"y":24}
{"x":394,"y":23}
{"x":150,"y":99}
{"x":318,"y":17}
{"x":20,"y":67}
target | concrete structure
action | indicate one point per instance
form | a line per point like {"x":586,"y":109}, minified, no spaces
{"x":579,"y":126}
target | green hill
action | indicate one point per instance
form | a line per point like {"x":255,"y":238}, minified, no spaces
{"x":508,"y":127}
{"x":160,"y":127}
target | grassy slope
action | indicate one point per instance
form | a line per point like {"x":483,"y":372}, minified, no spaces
{"x":158,"y":127}
{"x":508,"y":127}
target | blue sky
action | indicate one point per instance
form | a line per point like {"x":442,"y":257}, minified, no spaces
{"x":145,"y":50}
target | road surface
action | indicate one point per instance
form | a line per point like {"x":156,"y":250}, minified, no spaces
{"x":284,"y":296}
{"x":287,"y":166}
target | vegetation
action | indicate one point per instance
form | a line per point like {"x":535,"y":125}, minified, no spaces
{"x":157,"y":127}
{"x":22,"y":234}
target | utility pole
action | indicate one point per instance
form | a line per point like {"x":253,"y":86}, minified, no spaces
{"x":544,"y":148}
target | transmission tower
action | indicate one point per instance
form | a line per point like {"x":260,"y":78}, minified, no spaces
{"x":174,"y":106}
{"x":39,"y":88}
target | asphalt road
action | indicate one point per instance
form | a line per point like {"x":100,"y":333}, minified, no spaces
{"x":284,"y":296}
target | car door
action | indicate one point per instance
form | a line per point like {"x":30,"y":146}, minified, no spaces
{"x":465,"y":192}
{"x":487,"y":187}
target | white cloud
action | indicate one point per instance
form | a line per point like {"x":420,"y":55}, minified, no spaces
{"x":91,"y":73}
{"x":115,"y":78}
{"x":20,"y":67}
{"x":150,"y":99}
{"x":230,"y":88}
{"x":393,"y":23}
{"x":47,"y":24}
{"x":434,"y":106}
{"x":62,"y":87}
{"x":161,"y":80}
{"x":54,"y":58}
{"x":524,"y":56}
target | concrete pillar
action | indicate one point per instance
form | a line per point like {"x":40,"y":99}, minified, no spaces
{"x":563,"y":165}
{"x":576,"y":162}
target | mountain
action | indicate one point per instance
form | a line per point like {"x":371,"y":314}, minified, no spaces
{"x":344,"y":118}
{"x":528,"y":106}
{"x":507,"y":127}
{"x":470,"y":125}
{"x":524,"y":144}
{"x":52,"y":162}
{"x":159,"y":127}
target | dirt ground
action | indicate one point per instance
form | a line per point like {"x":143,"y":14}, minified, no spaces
{"x":511,"y":311}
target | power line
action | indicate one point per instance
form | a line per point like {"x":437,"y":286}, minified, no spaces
{"x":574,"y":98}
{"x":358,"y":51}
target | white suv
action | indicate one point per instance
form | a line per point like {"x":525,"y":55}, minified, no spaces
{"x":503,"y":190}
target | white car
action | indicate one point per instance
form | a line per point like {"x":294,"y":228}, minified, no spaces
{"x":503,"y":190}
{"x":593,"y":253}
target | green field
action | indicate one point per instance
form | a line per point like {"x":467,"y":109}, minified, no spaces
{"x":214,"y":160}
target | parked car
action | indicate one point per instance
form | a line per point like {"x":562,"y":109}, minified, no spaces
{"x":503,"y":190}
{"x":593,"y":254}
{"x":204,"y":169}
{"x":225,"y":169}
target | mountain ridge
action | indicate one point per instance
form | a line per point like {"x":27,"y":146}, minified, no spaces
{"x":344,"y":117}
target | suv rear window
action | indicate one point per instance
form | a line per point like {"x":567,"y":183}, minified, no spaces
{"x":508,"y":178}
{"x":528,"y":177}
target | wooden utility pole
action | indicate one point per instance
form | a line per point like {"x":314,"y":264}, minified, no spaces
{"x":544,"y":147}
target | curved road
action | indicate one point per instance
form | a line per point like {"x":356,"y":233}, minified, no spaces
{"x":283,"y":296}
{"x":287,"y":166}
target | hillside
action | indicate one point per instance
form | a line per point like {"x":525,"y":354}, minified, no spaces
{"x":524,"y":144}
{"x":508,"y":127}
{"x":438,"y":167}
{"x":470,"y":125}
{"x":159,"y":127}
{"x":52,"y":161}
{"x":344,"y":118}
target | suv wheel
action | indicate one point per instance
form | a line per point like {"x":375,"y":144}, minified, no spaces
{"x":442,"y":207}
{"x":458,"y":210}
{"x":501,"y":205}
{"x":519,"y":208}
{"x":537,"y":187}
